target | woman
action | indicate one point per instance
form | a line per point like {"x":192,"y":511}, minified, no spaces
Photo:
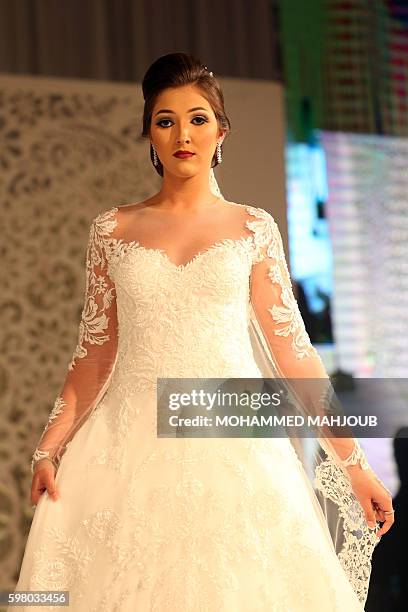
{"x":186,"y":284}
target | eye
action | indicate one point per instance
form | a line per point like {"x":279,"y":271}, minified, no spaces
{"x":161,"y":121}
{"x":204,"y":120}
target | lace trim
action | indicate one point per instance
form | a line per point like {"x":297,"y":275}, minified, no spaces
{"x":40,"y":454}
{"x":119,"y":248}
{"x":94,"y":320}
{"x":357,"y":456}
{"x":359,"y":540}
{"x":269,"y":244}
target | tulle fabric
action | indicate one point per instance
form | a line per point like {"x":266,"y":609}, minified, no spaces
{"x":108,"y":395}
{"x":180,"y":524}
{"x":338,"y":512}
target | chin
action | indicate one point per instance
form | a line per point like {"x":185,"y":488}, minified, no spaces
{"x":185,"y":172}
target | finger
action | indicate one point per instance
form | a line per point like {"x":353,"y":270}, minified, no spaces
{"x":380,"y":515}
{"x":381,"y":507}
{"x":35,"y":490}
{"x":370,"y":515}
{"x":379,"y":512}
{"x":389,"y":521}
{"x":51,"y":487}
{"x":39,"y":491}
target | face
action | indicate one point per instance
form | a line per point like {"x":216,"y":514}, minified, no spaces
{"x":175,"y":126}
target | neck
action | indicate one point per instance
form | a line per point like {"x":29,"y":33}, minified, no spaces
{"x":182,"y":194}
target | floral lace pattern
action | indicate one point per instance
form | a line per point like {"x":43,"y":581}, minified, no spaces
{"x":45,"y":454}
{"x":103,"y":254}
{"x":98,"y":295}
{"x":359,"y":541}
{"x":175,"y":536}
{"x":181,"y":524}
{"x":269,"y":242}
{"x":93,"y":332}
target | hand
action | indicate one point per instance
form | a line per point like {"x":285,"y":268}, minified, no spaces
{"x":44,"y":480}
{"x":373,"y":496}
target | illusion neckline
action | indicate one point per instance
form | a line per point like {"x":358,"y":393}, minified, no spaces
{"x":223,"y":242}
{"x":137,"y":246}
{"x":199,"y":255}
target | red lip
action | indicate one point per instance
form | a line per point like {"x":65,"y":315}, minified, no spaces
{"x":183,"y":154}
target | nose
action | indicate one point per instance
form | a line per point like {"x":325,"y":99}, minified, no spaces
{"x":183,"y":135}
{"x":183,"y":139}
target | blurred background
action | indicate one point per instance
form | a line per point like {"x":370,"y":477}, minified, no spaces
{"x":317,"y":94}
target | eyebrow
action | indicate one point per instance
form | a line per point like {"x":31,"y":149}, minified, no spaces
{"x":166,"y":110}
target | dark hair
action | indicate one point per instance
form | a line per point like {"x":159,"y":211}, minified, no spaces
{"x":177,"y":70}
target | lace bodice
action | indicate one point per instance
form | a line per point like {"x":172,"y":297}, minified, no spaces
{"x":182,"y":320}
{"x":145,"y":317}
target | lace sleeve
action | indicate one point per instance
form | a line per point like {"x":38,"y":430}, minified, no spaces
{"x":93,"y":357}
{"x":282,"y":325}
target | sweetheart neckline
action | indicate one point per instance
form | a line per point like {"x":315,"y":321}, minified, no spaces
{"x":183,"y":266}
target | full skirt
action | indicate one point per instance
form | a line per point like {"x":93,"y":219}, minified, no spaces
{"x":180,"y":524}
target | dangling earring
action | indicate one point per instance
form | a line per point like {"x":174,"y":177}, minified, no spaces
{"x":219,"y":156}
{"x":155,"y":158}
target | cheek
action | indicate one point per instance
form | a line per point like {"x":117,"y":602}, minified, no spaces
{"x":162,"y":138}
{"x":207,"y":138}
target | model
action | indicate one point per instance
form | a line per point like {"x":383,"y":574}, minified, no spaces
{"x":187,"y":284}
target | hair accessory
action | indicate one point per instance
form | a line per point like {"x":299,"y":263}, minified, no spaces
{"x":210,"y":73}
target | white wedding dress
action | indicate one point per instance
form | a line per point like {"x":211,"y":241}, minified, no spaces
{"x":178,"y":525}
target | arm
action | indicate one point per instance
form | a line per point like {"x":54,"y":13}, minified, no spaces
{"x":93,"y":358}
{"x":283,"y":327}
